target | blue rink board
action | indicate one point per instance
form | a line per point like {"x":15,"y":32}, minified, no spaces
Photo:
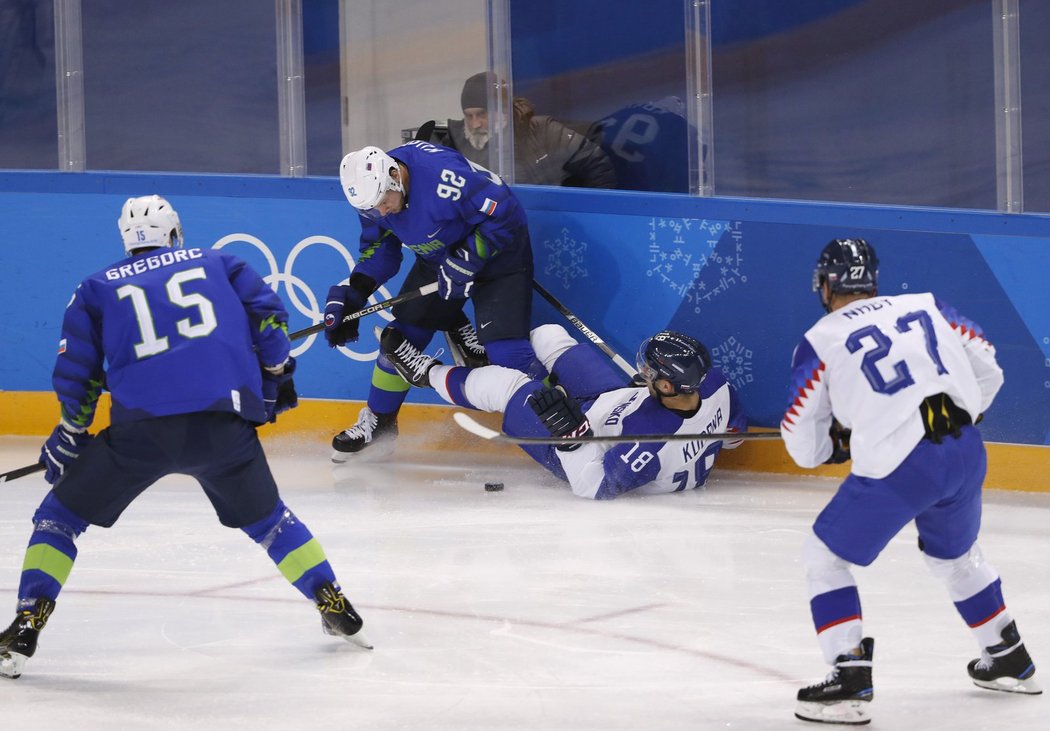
{"x":734,"y":272}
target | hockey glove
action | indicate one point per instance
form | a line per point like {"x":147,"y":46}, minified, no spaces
{"x":839,"y":443}
{"x":279,"y":391}
{"x":560,"y":414}
{"x":60,"y":450}
{"x":456,"y":273}
{"x":343,"y":300}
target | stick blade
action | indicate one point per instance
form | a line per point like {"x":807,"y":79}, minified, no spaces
{"x":467,"y":423}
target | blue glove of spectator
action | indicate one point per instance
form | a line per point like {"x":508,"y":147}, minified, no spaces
{"x":279,"y":391}
{"x":60,"y":450}
{"x":342,"y":300}
{"x":456,"y":273}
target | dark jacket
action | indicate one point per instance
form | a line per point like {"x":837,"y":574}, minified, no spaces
{"x":546,"y":151}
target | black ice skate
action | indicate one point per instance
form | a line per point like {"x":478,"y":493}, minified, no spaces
{"x":371,"y":428}
{"x":407,"y":359}
{"x":845,"y":696}
{"x":18,"y":642}
{"x":338,"y":617}
{"x":465,"y":348}
{"x":1006,"y":666}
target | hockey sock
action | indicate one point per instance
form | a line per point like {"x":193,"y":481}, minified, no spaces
{"x":290,"y":545}
{"x":449,"y":381}
{"x":516,"y":353}
{"x":389,"y":390}
{"x":985,"y":613}
{"x":51,"y":552}
{"x":975,"y":588}
{"x":837,"y":619}
{"x":834,"y":600}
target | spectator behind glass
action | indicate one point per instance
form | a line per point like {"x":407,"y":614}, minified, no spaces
{"x":546,"y":152}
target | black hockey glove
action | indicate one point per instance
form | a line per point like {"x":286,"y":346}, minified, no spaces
{"x":560,"y":414}
{"x":839,"y":443}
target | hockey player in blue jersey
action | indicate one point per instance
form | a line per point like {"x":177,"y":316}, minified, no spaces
{"x":678,"y":391}
{"x":895,"y":384}
{"x":470,"y":236}
{"x":193,"y":347}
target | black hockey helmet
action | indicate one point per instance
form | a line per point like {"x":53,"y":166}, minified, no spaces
{"x":674,"y":357}
{"x":849,"y":266}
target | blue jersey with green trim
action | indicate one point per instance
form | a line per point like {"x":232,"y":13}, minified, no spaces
{"x":169,"y":331}
{"x":451,"y":202}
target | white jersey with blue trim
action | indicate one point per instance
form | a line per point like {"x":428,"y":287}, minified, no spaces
{"x":870,"y":365}
{"x":602,"y":470}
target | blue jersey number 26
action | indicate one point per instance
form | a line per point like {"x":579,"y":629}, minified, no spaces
{"x":880,"y":349}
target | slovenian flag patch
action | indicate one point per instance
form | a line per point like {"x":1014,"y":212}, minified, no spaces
{"x":488,"y":207}
{"x":61,"y":346}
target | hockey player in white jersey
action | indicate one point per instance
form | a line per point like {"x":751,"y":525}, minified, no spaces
{"x":895,"y":383}
{"x":678,"y":391}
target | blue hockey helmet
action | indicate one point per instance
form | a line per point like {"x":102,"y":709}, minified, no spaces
{"x":681,"y":360}
{"x":849,"y":266}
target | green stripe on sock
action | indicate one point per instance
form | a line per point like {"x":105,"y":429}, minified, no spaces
{"x":301,"y":560}
{"x":50,"y":560}
{"x":389,"y":381}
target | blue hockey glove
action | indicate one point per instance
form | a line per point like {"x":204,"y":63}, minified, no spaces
{"x":279,"y":391}
{"x":456,"y":273}
{"x":60,"y":450}
{"x":560,"y":414}
{"x":342,"y":301}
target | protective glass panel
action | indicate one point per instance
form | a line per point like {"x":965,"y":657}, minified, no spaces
{"x":1035,"y":103}
{"x":404,"y":65}
{"x":28,"y":127}
{"x":184,"y":86}
{"x":868,"y":101}
{"x":607,"y":89}
{"x":321,"y":64}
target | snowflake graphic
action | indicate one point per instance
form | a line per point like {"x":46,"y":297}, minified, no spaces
{"x":681,"y":250}
{"x":735,"y":361}
{"x":566,"y":260}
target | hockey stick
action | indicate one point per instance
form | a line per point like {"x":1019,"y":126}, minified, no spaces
{"x":385,"y":304}
{"x":578,"y":324}
{"x":465,"y":421}
{"x":22,"y":472}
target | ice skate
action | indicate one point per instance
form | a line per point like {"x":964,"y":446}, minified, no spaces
{"x":1006,"y":666}
{"x":338,"y":617}
{"x":18,"y":642}
{"x":465,"y":348}
{"x":845,"y":695}
{"x":370,"y":429}
{"x":413,"y":365}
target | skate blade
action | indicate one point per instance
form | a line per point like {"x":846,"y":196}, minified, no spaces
{"x":359,"y":639}
{"x":371,"y":452}
{"x":12,"y":664}
{"x":852,"y":713}
{"x":1011,"y":685}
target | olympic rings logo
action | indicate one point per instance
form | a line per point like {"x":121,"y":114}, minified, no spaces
{"x":299,"y":294}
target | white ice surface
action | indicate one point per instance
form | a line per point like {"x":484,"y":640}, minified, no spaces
{"x":522,"y":609}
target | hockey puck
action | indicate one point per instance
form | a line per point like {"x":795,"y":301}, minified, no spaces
{"x":493,"y":486}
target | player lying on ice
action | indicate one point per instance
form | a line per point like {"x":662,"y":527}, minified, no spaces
{"x":677,"y":391}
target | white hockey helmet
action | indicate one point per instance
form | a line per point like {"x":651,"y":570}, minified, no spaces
{"x":149,"y":221}
{"x":365,"y":178}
